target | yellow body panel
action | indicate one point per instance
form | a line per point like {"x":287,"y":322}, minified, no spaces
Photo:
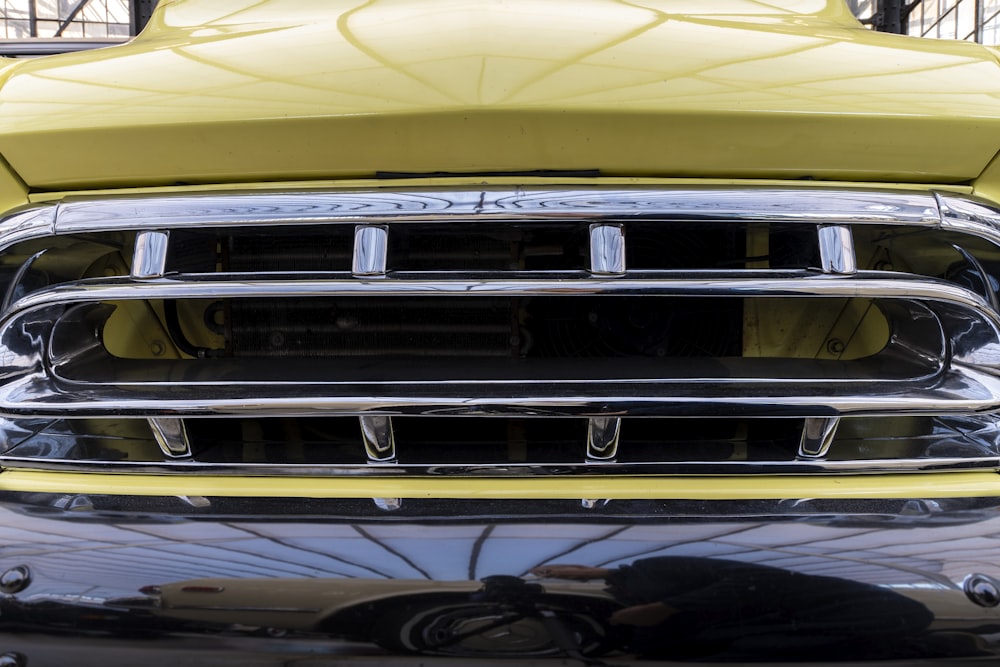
{"x":213,"y":94}
{"x":735,"y":487}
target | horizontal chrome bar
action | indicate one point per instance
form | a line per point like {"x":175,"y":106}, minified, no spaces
{"x":767,"y":204}
{"x":958,"y":390}
{"x":188,"y":467}
{"x":868,"y":284}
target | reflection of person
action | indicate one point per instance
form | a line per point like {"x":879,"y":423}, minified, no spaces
{"x":700,"y":606}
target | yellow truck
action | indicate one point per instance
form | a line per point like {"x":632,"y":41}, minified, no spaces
{"x":592,"y":332}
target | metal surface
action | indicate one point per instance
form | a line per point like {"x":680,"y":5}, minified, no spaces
{"x":150,"y":257}
{"x":370,"y":250}
{"x":380,"y":444}
{"x":171,"y":436}
{"x":817,"y":437}
{"x":836,"y":247}
{"x":329,"y":581}
{"x":602,"y":439}
{"x":607,"y":250}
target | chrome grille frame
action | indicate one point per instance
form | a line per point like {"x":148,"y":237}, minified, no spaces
{"x":966,"y":381}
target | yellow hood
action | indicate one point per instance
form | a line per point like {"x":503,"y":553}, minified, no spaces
{"x":279,"y":90}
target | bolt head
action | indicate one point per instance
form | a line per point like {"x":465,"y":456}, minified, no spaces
{"x":982,"y":589}
{"x":15,"y":580}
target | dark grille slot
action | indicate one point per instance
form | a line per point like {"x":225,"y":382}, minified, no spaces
{"x":488,"y":247}
{"x":541,"y":327}
{"x":330,"y":440}
{"x":687,"y":246}
{"x":715,"y":440}
{"x":267,"y":250}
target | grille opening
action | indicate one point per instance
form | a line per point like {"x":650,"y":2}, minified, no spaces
{"x":464,"y":338}
{"x":262,"y":250}
{"x":489,"y":247}
{"x":525,"y":328}
{"x":430,"y":441}
{"x":330,"y":440}
{"x":693,"y":246}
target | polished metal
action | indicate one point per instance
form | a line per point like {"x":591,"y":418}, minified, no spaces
{"x":15,"y":580}
{"x":379,"y":440}
{"x":171,"y":436}
{"x":378,"y":206}
{"x":982,"y":589}
{"x":371,"y":247}
{"x":273,"y":582}
{"x":607,"y":250}
{"x":818,"y":434}
{"x":864,"y":284}
{"x":836,"y":250}
{"x":943,"y":361}
{"x":150,"y":257}
{"x":602,"y":439}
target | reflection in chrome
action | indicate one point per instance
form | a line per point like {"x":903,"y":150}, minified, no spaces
{"x":171,"y":436}
{"x":836,"y":248}
{"x":371,"y":244}
{"x":817,"y":436}
{"x":893,"y":299}
{"x":850,"y":580}
{"x":150,"y":257}
{"x":380,"y":444}
{"x":607,"y":250}
{"x":602,"y":439}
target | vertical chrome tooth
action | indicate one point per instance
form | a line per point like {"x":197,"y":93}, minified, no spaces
{"x":602,"y":439}
{"x":388,"y":504}
{"x":380,"y":443}
{"x":817,"y":436}
{"x":607,"y":249}
{"x":171,"y":436}
{"x":371,"y":247}
{"x":836,"y":250}
{"x":380,"y":448}
{"x":149,"y":260}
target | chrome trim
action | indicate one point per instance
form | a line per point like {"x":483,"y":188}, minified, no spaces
{"x":706,"y":204}
{"x":866,"y":284}
{"x":378,"y":438}
{"x":602,"y":439}
{"x":818,"y":434}
{"x":149,"y":259}
{"x":576,"y":468}
{"x":607,"y":250}
{"x":371,"y":245}
{"x":836,"y":250}
{"x":171,"y":436}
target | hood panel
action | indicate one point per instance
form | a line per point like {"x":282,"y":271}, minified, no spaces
{"x":268,"y":91}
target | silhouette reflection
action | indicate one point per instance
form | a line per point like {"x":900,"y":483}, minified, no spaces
{"x":692,"y":607}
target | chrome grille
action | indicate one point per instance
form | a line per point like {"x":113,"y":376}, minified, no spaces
{"x":503,"y":332}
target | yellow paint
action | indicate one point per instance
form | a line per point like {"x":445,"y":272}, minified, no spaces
{"x":746,"y":487}
{"x":13,"y":192}
{"x":254,"y":90}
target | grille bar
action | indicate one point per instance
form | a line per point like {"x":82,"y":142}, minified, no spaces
{"x":457,"y":337}
{"x":869,"y":284}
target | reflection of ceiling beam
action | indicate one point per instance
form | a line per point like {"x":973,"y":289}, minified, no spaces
{"x":139,"y":13}
{"x":70,"y":17}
